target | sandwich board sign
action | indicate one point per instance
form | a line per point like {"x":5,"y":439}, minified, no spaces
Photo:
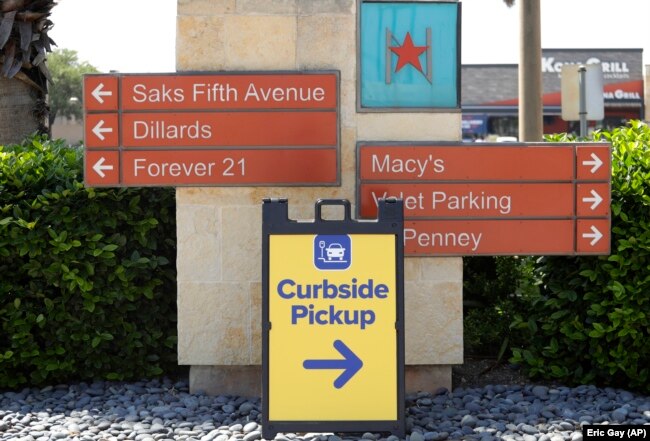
{"x":333,"y":321}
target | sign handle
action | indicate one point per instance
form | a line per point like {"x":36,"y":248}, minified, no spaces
{"x":343,"y":202}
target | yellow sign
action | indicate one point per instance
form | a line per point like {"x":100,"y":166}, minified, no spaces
{"x":333,"y":339}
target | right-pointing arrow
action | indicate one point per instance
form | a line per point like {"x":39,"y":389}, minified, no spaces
{"x":350,"y":364}
{"x":99,"y":167}
{"x":595,"y":235}
{"x":596,"y":199}
{"x":99,"y":130}
{"x":596,"y":162}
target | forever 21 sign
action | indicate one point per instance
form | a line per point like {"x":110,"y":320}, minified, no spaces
{"x":273,"y":128}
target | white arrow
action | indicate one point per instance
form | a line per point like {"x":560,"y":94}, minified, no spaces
{"x":596,"y":199}
{"x":99,"y":92}
{"x":99,"y":167}
{"x":595,"y":235}
{"x":596,"y":163}
{"x":99,"y":130}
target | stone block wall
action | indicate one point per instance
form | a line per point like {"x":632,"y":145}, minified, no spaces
{"x":219,"y":229}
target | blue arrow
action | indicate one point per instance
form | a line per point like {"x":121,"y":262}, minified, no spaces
{"x":350,"y":364}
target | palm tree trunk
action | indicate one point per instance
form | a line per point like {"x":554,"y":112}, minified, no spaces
{"x":530,"y":72}
{"x":20,"y":110}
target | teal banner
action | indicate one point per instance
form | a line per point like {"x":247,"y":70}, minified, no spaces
{"x":409,"y":55}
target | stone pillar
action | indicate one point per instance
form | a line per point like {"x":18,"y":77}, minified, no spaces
{"x":219,"y":229}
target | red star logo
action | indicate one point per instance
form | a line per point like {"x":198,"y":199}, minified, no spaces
{"x":407,"y":53}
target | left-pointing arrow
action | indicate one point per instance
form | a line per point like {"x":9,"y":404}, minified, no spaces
{"x":99,"y":130}
{"x":595,"y":235}
{"x":99,"y":167}
{"x":99,"y":92}
{"x":350,"y":364}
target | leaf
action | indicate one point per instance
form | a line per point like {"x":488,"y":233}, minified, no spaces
{"x":9,"y":53}
{"x":15,"y":68}
{"x":6,"y":25}
{"x":25,"y":30}
{"x":46,"y":73}
{"x":11,"y":5}
{"x":40,"y":54}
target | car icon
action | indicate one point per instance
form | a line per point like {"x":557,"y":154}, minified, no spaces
{"x":335,"y":250}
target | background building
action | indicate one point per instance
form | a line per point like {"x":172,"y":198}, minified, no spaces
{"x":490,"y":92}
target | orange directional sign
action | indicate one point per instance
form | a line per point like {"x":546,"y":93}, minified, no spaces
{"x":274,"y":127}
{"x":490,"y":199}
{"x":473,"y":200}
{"x":466,"y":162}
{"x":593,"y":162}
{"x":592,"y":236}
{"x":100,"y":93}
{"x":229,"y":129}
{"x":229,"y":91}
{"x":102,"y":168}
{"x":228,"y":167}
{"x":592,"y":199}
{"x":488,"y":237}
{"x":101,"y":130}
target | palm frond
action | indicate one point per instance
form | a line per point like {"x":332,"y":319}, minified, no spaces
{"x":24,"y":42}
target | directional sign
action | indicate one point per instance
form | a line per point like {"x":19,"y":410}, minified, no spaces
{"x":333,"y":322}
{"x":311,"y":309}
{"x":465,"y":162}
{"x":350,"y":364}
{"x":101,"y":130}
{"x":251,"y":128}
{"x":593,"y":236}
{"x":100,"y":93}
{"x":593,"y":162}
{"x":227,"y":167}
{"x":592,"y":199}
{"x":487,"y":199}
{"x":488,"y":237}
{"x":505,"y":200}
{"x":230,"y":91}
{"x":101,"y":168}
{"x":229,"y":129}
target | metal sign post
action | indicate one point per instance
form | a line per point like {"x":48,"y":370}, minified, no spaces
{"x":333,"y":321}
{"x":582,"y":71}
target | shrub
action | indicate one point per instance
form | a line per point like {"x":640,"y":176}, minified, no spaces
{"x":88,"y":275}
{"x":494,"y":290}
{"x":591,"y":321}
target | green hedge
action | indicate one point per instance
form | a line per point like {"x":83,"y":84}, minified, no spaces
{"x":87,"y":276}
{"x":591,"y":320}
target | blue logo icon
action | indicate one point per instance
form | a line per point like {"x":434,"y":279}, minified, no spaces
{"x":332,"y":251}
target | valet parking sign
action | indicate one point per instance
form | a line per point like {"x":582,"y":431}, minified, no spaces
{"x":332,"y":309}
